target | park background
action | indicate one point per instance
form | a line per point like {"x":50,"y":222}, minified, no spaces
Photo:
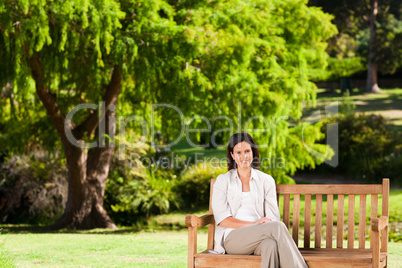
{"x":114,"y":115}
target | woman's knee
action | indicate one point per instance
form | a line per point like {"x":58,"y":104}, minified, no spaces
{"x":269,"y":244}
{"x":267,"y":247}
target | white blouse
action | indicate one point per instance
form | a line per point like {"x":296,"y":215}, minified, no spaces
{"x":246,"y":211}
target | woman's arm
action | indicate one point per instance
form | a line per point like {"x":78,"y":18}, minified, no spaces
{"x":231,"y":222}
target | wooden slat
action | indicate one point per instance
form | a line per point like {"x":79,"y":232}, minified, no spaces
{"x":362,"y":221}
{"x":385,"y":212}
{"x":351,"y":220}
{"x":339,"y":231}
{"x":329,"y":189}
{"x":307,"y":220}
{"x":318,"y":221}
{"x":317,"y":257}
{"x":286,"y":205}
{"x":330,"y":220}
{"x":296,"y":215}
{"x":374,"y":211}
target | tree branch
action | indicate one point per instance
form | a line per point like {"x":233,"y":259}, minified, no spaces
{"x":48,"y":99}
{"x":112,"y":91}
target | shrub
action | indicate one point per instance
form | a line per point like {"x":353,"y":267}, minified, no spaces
{"x":369,"y":149}
{"x":33,"y":189}
{"x":193,"y":186}
{"x":140,"y":185}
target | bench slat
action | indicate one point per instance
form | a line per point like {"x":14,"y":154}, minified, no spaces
{"x":295,"y":222}
{"x":329,"y":189}
{"x":374,"y":211}
{"x":318,"y":221}
{"x":362,"y":222}
{"x":307,"y":220}
{"x":286,"y":205}
{"x":314,"y":257}
{"x":385,"y":212}
{"x":330,"y":220}
{"x":339,"y":231}
{"x":351,"y":220}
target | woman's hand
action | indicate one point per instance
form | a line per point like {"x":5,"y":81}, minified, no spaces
{"x":263,"y":220}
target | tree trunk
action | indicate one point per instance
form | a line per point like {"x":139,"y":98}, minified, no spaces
{"x":87,"y":171}
{"x":372,"y":83}
{"x":87,"y":174}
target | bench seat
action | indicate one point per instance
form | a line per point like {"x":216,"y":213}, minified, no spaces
{"x":315,"y":257}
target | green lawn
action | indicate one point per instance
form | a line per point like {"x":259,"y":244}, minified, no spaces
{"x":100,"y":248}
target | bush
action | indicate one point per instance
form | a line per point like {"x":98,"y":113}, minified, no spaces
{"x":140,"y":185}
{"x":369,"y":149}
{"x":193,"y":186}
{"x":33,"y":189}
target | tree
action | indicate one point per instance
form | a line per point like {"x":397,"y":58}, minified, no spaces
{"x":239,"y":59}
{"x":372,"y":83}
{"x":368,"y":31}
{"x":68,"y":52}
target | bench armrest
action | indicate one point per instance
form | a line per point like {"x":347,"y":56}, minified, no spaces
{"x":195,"y":221}
{"x":379,"y":223}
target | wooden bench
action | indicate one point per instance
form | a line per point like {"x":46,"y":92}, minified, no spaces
{"x":335,"y":254}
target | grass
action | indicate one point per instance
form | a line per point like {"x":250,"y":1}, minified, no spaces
{"x":99,"y":249}
{"x":105,"y":248}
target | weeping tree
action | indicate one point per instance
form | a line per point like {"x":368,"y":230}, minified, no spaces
{"x":69,"y":68}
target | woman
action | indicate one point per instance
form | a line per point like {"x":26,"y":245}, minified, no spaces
{"x":246,"y":211}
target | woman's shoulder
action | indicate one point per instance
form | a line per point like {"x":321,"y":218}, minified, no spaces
{"x":225,"y":176}
{"x":264,"y":176}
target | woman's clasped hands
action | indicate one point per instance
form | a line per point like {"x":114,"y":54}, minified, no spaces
{"x":263,"y":220}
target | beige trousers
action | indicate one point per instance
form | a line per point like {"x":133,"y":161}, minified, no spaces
{"x":271,"y":240}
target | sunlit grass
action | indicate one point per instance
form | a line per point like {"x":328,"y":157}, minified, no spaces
{"x":110,"y":249}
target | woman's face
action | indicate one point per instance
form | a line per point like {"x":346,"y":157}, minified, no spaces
{"x":242,"y":154}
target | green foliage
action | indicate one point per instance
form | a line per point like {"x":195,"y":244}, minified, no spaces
{"x":139,"y":185}
{"x":344,"y":67}
{"x":148,"y":195}
{"x":194,"y":183}
{"x":246,"y":61}
{"x":369,"y":149}
{"x":347,"y":105}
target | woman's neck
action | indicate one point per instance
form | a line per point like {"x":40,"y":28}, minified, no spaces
{"x":244,"y":173}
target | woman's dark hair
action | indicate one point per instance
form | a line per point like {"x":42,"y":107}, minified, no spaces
{"x":238,"y":138}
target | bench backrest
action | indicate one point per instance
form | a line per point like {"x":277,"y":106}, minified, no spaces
{"x":307,"y":200}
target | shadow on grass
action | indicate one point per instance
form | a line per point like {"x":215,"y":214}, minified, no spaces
{"x":366,"y":102}
{"x":35,"y":229}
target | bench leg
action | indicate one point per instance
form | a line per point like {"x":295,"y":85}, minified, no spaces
{"x":376,"y":249}
{"x":192,"y":245}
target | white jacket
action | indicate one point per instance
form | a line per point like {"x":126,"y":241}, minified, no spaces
{"x":226,"y":199}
